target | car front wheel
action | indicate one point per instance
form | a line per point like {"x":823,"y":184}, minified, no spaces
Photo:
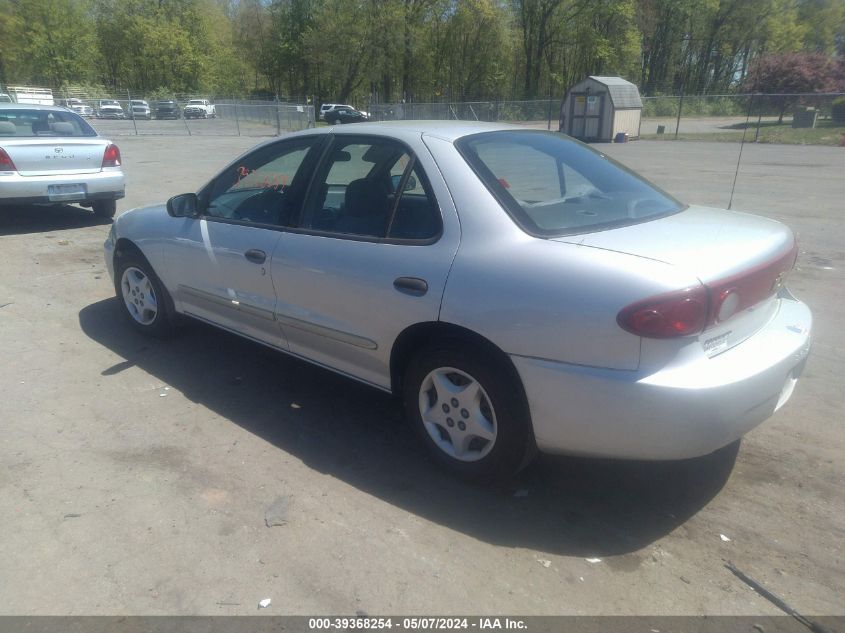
{"x":469,"y":412}
{"x":144,"y":299}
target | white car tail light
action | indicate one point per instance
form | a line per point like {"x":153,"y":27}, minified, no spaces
{"x":111,"y":157}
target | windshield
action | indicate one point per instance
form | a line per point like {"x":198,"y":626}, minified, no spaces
{"x":195,"y":102}
{"x":29,"y":123}
{"x":109,"y":103}
{"x":553,"y":185}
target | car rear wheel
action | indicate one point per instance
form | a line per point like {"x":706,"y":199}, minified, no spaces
{"x":145,"y":301}
{"x":468,"y":412}
{"x":105,"y":208}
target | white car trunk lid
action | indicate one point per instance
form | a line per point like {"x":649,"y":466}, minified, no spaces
{"x":49,"y":156}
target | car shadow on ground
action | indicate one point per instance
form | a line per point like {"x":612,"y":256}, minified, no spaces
{"x":19,"y":220}
{"x":568,"y":506}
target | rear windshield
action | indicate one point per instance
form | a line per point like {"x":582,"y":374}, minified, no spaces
{"x":29,"y":123}
{"x":553,"y":185}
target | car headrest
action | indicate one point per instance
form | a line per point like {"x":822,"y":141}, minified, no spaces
{"x":62,"y":127}
{"x":364,"y":197}
{"x":7,"y":128}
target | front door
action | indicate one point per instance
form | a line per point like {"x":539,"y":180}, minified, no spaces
{"x":586,"y":114}
{"x":222,"y":259}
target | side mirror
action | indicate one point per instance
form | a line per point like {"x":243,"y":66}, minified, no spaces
{"x":185,"y":205}
{"x":409,"y":185}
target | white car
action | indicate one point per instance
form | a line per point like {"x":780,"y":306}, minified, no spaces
{"x":329,"y":107}
{"x":49,"y":155}
{"x":139,"y":109}
{"x":78,"y":106}
{"x":520,"y":290}
{"x":200,"y":109}
{"x":110,"y":109}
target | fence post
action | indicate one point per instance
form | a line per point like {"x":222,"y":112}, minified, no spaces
{"x":131,"y":112}
{"x":237,"y":121}
{"x":181,"y":114}
{"x":680,"y":107}
{"x":278,"y":121}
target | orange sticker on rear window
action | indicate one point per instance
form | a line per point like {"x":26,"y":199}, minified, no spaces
{"x":504,"y":183}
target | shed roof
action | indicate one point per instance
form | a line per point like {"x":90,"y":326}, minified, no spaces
{"x":623,"y":94}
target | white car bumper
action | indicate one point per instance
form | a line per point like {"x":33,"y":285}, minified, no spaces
{"x":102,"y":185}
{"x":685,"y":410}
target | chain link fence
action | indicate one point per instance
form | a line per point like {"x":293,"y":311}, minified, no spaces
{"x":537,"y":111}
{"x":817,"y":118}
{"x":135,"y":113}
{"x":790,"y":118}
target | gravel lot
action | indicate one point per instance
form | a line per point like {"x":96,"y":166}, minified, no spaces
{"x":135,"y":474}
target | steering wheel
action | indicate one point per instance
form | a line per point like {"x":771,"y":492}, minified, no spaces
{"x":264,"y":207}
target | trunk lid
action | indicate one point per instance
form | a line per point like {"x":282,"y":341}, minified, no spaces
{"x":50,"y":156}
{"x":740,"y":258}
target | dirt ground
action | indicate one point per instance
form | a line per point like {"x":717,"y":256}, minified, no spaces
{"x":136,"y":474}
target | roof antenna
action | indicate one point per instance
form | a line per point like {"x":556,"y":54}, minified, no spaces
{"x":741,"y":145}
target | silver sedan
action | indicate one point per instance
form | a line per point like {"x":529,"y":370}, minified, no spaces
{"x":520,"y":290}
{"x":50,"y":155}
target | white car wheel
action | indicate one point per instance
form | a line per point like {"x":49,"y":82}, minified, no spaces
{"x":139,"y":296}
{"x":145,"y":301}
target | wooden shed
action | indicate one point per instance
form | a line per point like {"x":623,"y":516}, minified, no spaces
{"x":600,"y":108}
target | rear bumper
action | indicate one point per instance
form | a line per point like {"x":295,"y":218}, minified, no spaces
{"x":103,"y":185}
{"x":685,"y":410}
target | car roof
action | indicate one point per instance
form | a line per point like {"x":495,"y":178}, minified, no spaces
{"x":447,"y":130}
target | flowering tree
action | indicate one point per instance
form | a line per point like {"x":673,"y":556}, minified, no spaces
{"x":794,"y":73}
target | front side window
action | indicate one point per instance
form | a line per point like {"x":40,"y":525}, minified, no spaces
{"x":357,"y":193}
{"x":261,"y":187}
{"x":552,"y":185}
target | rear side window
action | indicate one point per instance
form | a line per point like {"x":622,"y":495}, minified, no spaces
{"x":34,"y":123}
{"x":553,"y":185}
{"x":372,"y":188}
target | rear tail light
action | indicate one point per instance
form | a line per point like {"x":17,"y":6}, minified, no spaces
{"x":691,"y":310}
{"x":111,"y":157}
{"x":6,"y":163}
{"x":670,"y":315}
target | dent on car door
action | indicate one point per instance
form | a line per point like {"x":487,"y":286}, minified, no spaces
{"x":369,"y":256}
{"x":222,"y":258}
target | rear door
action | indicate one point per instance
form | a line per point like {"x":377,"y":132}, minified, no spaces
{"x":369,"y":257}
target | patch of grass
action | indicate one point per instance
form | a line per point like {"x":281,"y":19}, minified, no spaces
{"x":825,"y":133}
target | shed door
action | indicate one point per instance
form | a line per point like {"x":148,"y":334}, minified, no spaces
{"x":586,"y":115}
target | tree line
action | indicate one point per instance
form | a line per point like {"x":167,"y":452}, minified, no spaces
{"x":414,"y":50}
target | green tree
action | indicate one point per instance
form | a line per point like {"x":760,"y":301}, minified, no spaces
{"x":53,"y":41}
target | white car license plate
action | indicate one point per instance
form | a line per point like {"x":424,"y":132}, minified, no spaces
{"x":67,"y":192}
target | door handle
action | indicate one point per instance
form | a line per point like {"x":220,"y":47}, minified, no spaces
{"x":256,"y":256}
{"x":411,"y":286}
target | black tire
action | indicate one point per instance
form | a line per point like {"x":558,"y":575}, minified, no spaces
{"x":502,"y":401}
{"x":105,"y":208}
{"x":162,"y":324}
